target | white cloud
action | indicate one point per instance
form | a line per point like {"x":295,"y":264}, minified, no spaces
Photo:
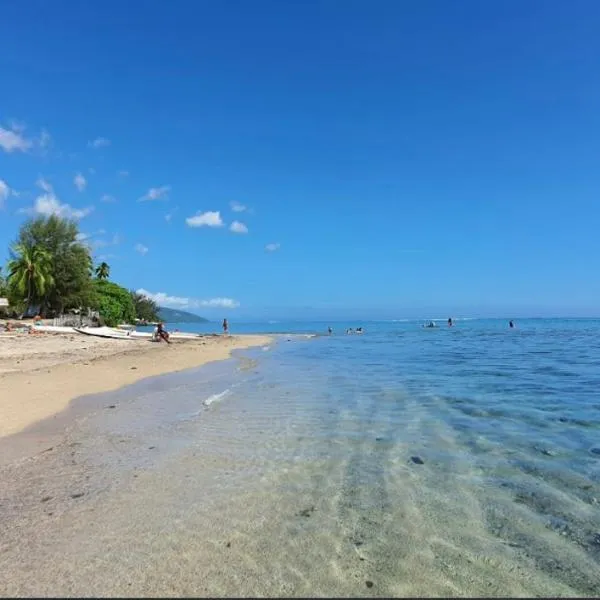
{"x":237,"y":227}
{"x":168,"y":217}
{"x":219,"y":303}
{"x":163,"y":299}
{"x":4,"y":192}
{"x":272,"y":247}
{"x":99,"y":142}
{"x":12,"y":140}
{"x":80,"y":182}
{"x":48,"y":204}
{"x":141,"y":249}
{"x":158,"y":193}
{"x":237,"y":207}
{"x":206,"y":219}
{"x":108,"y":198}
{"x":123,"y":173}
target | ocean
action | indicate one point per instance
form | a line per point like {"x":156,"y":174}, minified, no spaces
{"x":459,"y":461}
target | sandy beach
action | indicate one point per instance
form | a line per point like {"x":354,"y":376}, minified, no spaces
{"x":40,"y":374}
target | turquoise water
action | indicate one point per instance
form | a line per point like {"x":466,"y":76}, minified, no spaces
{"x":459,"y":461}
{"x":495,"y":431}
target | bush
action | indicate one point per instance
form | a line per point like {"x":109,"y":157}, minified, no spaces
{"x":113,"y":302}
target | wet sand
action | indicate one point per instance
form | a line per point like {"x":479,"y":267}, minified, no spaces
{"x":40,"y":374}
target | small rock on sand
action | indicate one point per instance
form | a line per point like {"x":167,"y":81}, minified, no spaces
{"x":77,"y":495}
{"x":46,"y":498}
{"x":369,"y":584}
{"x":417,"y":460}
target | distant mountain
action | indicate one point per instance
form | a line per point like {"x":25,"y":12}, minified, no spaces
{"x":170,"y":315}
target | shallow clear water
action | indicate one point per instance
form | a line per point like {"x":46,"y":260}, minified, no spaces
{"x":456,"y":461}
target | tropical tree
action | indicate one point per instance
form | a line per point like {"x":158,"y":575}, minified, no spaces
{"x":3,"y":285}
{"x":71,"y":264}
{"x":30,"y":272}
{"x":113,"y":302}
{"x":102,"y":271}
{"x":145,"y":308}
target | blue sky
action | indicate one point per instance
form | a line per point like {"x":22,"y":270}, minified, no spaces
{"x":386,"y":159}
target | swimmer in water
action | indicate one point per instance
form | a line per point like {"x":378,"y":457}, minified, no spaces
{"x":450,"y":322}
{"x":511,"y":324}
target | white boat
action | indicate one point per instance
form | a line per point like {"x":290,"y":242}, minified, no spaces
{"x":120,"y":334}
{"x":105,"y":332}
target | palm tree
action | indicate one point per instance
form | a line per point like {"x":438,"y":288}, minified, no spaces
{"x":30,"y":272}
{"x":102,"y":271}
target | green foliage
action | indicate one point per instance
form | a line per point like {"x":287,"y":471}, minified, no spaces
{"x":3,"y":285}
{"x":114,"y":303}
{"x":71,"y":261}
{"x":102,"y":271}
{"x":50,"y":267}
{"x":30,"y":272}
{"x":145,"y":308}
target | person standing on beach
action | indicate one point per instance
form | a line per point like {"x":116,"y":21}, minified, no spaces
{"x":225,"y":327}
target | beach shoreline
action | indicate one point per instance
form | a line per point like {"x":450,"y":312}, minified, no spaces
{"x":40,"y":375}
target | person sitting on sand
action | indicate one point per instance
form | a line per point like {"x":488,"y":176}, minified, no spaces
{"x":162,"y":333}
{"x":225,"y":327}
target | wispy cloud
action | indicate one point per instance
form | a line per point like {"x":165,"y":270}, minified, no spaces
{"x":157,"y":193}
{"x":99,"y":142}
{"x":272,"y":247}
{"x":123,"y":173}
{"x":4,"y":192}
{"x":205,"y":219}
{"x":44,"y":140}
{"x":94,"y":241}
{"x":48,"y":204}
{"x":98,"y":243}
{"x":163,"y":299}
{"x":168,"y":217}
{"x":12,"y":140}
{"x":108,"y":198}
{"x":237,"y":207}
{"x":141,"y":249}
{"x":80,"y":182}
{"x":237,"y":227}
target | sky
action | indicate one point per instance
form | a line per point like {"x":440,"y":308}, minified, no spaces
{"x":269,"y":159}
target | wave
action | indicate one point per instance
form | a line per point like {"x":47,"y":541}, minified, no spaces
{"x":217,"y":397}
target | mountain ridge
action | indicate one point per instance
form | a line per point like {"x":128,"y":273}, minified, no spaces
{"x":171,"y":315}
